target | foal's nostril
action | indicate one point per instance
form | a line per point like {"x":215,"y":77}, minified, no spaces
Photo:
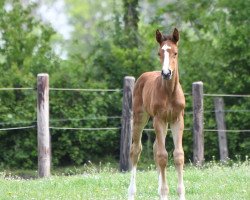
{"x":167,"y":75}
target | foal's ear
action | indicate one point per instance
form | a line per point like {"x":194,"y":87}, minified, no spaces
{"x":176,"y":35}
{"x":158,"y":36}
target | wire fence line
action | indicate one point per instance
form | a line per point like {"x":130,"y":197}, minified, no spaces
{"x":227,"y":131}
{"x":118,"y":90}
{"x":99,"y":129}
{"x":104,"y":118}
{"x":61,"y":128}
{"x":85,"y":129}
{"x":86,"y":118}
{"x":115,"y":128}
{"x":227,"y":111}
{"x":85,"y":90}
{"x":110,"y":117}
{"x":63,"y":120}
{"x":227,"y":95}
{"x":152,"y":130}
{"x":17,"y":128}
{"x":205,"y":130}
{"x":27,"y":88}
{"x":65,"y":89}
{"x":224,"y":111}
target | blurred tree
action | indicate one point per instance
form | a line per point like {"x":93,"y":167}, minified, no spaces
{"x":214,"y":49}
{"x":112,"y":39}
{"x":86,"y":17}
{"x":25,"y":45}
{"x":217,"y":35}
{"x":25,"y":51}
{"x":131,"y":19}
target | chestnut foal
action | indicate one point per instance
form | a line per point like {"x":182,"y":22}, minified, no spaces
{"x":159,"y":95}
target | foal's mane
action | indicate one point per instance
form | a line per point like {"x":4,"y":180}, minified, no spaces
{"x":167,"y":37}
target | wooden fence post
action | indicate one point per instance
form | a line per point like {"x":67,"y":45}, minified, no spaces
{"x":43,"y":135}
{"x":127,"y":121}
{"x":198,"y":136}
{"x":221,"y":126}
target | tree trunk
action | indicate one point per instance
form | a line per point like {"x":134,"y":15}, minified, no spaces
{"x":131,"y":19}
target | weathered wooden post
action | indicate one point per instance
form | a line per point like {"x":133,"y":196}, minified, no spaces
{"x":198,"y":136}
{"x":43,"y":134}
{"x":221,"y":126}
{"x":127,"y":120}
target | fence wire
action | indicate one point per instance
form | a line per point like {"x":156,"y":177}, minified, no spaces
{"x":227,"y":95}
{"x":114,"y":128}
{"x":111,"y":117}
{"x":85,"y":129}
{"x":85,"y":90}
{"x":86,"y":118}
{"x":17,"y":128}
{"x":227,"y":131}
{"x":7,"y":89}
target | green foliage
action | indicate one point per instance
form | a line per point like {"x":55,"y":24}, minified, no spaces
{"x":107,"y":45}
{"x":131,"y":19}
{"x":88,"y":110}
{"x":25,"y":46}
{"x":214,"y":49}
{"x":25,"y":51}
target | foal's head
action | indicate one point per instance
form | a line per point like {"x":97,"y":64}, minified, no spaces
{"x":168,"y":52}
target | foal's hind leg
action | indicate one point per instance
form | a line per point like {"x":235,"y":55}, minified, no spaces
{"x":177,"y":131}
{"x":140,"y":120}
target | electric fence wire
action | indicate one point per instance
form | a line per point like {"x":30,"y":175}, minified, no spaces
{"x":115,"y":117}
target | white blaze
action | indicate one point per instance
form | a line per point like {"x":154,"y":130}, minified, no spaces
{"x":165,"y":67}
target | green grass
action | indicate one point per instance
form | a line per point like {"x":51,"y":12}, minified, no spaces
{"x":214,"y":181}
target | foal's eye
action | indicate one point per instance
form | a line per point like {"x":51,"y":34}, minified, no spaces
{"x":175,"y":53}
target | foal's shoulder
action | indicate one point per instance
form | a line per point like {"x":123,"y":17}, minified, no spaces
{"x":150,"y":75}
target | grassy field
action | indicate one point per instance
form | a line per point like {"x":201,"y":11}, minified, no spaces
{"x":215,"y":182}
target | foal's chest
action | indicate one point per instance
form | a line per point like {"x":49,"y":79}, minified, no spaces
{"x":165,"y":108}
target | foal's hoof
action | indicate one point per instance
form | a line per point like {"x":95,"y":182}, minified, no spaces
{"x":182,"y":197}
{"x":131,"y":192}
{"x":163,"y":198}
{"x":131,"y":198}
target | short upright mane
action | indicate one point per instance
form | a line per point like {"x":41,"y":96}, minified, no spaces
{"x":167,"y":37}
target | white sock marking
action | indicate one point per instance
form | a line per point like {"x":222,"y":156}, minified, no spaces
{"x":160,"y":187}
{"x":159,"y":184}
{"x":132,"y":185}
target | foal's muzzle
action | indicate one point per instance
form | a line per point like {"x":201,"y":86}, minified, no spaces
{"x":166,"y":76}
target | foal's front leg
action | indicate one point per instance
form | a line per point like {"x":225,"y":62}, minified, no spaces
{"x":177,"y":131}
{"x":161,"y":156}
{"x":140,"y":120}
